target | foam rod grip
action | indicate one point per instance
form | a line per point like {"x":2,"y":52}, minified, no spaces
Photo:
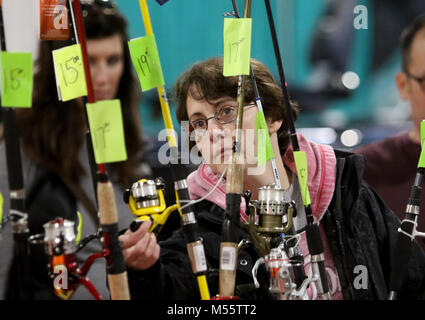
{"x":227,"y":283}
{"x":108,"y":215}
{"x":234,"y":175}
{"x":118,"y":286}
{"x":227,"y":277}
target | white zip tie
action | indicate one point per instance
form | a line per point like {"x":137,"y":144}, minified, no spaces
{"x":17,"y":213}
{"x":414,"y":234}
{"x":192,"y":202}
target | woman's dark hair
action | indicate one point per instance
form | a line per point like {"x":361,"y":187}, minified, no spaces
{"x":52,"y":131}
{"x":205,"y":81}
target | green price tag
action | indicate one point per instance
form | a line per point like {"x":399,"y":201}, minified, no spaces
{"x":1,"y":208}
{"x":69,"y":71}
{"x":16,"y":79}
{"x":301,"y":163}
{"x":237,"y":46}
{"x":145,"y":57}
{"x":421,"y":163}
{"x":79,"y":228}
{"x":107,"y":131}
{"x":264,"y":145}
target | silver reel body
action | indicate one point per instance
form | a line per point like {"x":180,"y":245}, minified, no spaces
{"x":281,"y":271}
{"x":270,"y":225}
{"x":59,"y":237}
{"x":269,"y":217}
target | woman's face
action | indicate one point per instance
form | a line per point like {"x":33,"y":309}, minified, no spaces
{"x":106,"y":58}
{"x":216,"y":143}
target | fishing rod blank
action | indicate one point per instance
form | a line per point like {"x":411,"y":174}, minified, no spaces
{"x":179,"y":173}
{"x":259,"y":104}
{"x":294,"y":251}
{"x":234,"y":191}
{"x":108,"y":214}
{"x":314,"y":240}
{"x":19,"y":284}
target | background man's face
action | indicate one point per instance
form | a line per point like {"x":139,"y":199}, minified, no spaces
{"x":410,"y":89}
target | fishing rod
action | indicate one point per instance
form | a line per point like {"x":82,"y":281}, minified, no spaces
{"x":234,"y":191}
{"x":195,"y":245}
{"x":259,"y":105}
{"x":19,"y":286}
{"x":408,"y":229}
{"x":94,"y":168}
{"x":61,"y":245}
{"x":271,"y":230}
{"x":314,"y":240}
{"x":108,"y":214}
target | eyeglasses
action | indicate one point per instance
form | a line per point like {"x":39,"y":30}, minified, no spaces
{"x":420,"y":80}
{"x":224,"y":115}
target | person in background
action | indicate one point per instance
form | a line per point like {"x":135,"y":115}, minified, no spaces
{"x":58,"y":181}
{"x":391,"y":163}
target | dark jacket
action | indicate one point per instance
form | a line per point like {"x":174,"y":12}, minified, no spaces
{"x":362,"y":231}
{"x":359,"y":228}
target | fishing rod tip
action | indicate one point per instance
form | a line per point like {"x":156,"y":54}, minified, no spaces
{"x":229,"y":14}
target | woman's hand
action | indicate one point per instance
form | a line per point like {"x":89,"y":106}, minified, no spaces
{"x":140,"y":248}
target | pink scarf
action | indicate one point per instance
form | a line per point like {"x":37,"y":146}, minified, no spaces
{"x":321,"y":178}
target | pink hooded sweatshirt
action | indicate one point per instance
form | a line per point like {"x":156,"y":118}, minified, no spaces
{"x":321,"y":162}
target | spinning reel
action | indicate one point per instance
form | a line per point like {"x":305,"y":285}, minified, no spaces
{"x":59,"y":240}
{"x":269,"y":217}
{"x":270,"y":227}
{"x":282,"y":272}
{"x":146,"y":200}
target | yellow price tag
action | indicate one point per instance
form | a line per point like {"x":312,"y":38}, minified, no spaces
{"x":237,"y":46}
{"x":107,"y":131}
{"x":145,"y":57}
{"x":421,"y":163}
{"x":1,"y":209}
{"x":300,"y":158}
{"x":16,"y":79}
{"x":264,"y":145}
{"x":69,"y":71}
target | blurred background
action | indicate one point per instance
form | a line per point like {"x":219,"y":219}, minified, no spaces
{"x":340,"y":57}
{"x":342,"y":76}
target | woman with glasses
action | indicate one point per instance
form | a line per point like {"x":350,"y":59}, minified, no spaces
{"x":57,"y":173}
{"x":358,"y":231}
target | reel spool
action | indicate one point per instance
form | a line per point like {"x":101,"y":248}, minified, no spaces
{"x":270,"y":217}
{"x":275,"y":215}
{"x":146,"y":200}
